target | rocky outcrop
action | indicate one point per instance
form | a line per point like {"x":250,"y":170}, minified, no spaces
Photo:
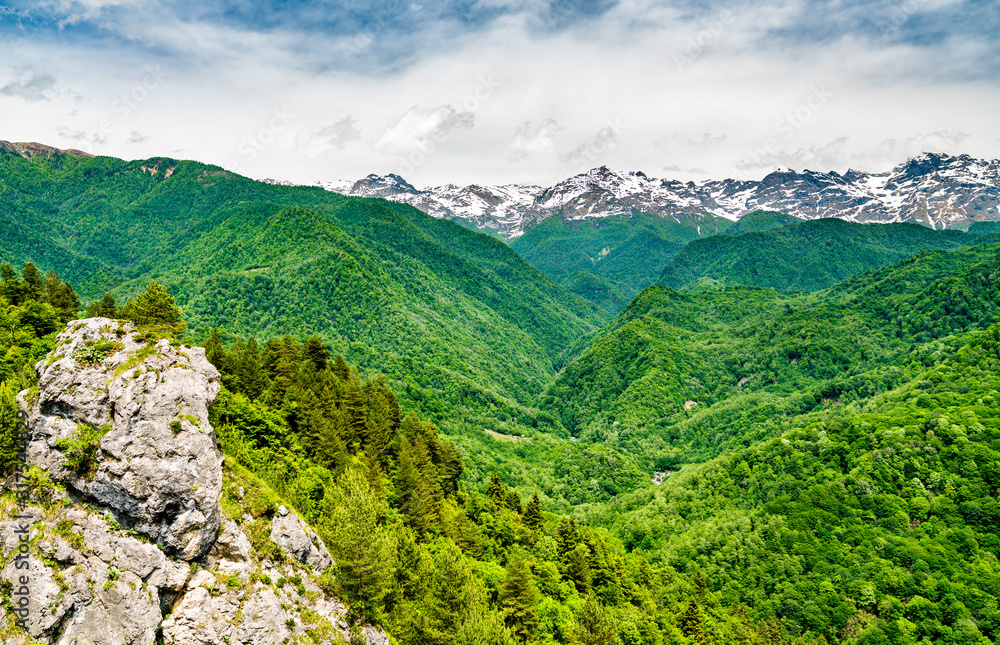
{"x":298,"y":540}
{"x":127,"y":543}
{"x":158,"y":467}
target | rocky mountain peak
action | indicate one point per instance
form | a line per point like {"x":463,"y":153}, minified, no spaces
{"x":934,"y":189}
{"x":30,"y":149}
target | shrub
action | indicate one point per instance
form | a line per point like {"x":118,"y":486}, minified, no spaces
{"x":95,"y":351}
{"x":80,"y":450}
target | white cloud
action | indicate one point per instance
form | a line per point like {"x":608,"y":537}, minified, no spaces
{"x":332,"y":138}
{"x":221,"y":84}
{"x":592,"y":151}
{"x":31,"y":83}
{"x":422,"y":129}
{"x":530,"y":139}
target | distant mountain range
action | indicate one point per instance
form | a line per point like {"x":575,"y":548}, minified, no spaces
{"x":937,"y":190}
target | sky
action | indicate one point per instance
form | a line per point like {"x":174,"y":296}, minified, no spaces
{"x":498,"y":91}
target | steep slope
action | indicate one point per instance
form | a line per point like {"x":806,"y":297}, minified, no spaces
{"x":870,"y":521}
{"x":610,"y":259}
{"x":680,"y":376}
{"x":806,"y":256}
{"x":121,"y":456}
{"x":458,"y":315}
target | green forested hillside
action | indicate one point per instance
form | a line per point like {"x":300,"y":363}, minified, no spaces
{"x":610,"y":259}
{"x":462,"y":326}
{"x":828,"y":460}
{"x":681,"y":376}
{"x":806,"y":256}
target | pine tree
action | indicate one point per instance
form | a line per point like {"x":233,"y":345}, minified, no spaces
{"x":593,"y":627}
{"x":33,"y":283}
{"x":513,"y":501}
{"x":450,"y":469}
{"x":693,"y":623}
{"x":61,"y":296}
{"x":496,"y":491}
{"x":699,"y":585}
{"x":354,"y":409}
{"x":13,"y":289}
{"x":316,"y":353}
{"x":533,"y":513}
{"x":107,"y":308}
{"x":249,"y":375}
{"x":332,"y":454}
{"x":154,"y":309}
{"x":454,"y":592}
{"x":406,"y":477}
{"x":578,"y":568}
{"x":518,"y":597}
{"x":373,"y":470}
{"x":340,"y":368}
{"x":567,"y":537}
{"x":381,"y":417}
{"x":771,"y":632}
{"x":361,"y":547}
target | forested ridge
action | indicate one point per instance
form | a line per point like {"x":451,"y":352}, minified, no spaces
{"x":829,"y":460}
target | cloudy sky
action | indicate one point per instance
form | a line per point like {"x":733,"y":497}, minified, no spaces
{"x":495,"y":91}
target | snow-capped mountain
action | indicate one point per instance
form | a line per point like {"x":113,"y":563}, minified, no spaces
{"x":937,"y":190}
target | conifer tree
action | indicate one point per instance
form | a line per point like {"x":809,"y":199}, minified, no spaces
{"x":533,"y":513}
{"x":154,"y":308}
{"x":249,"y":375}
{"x":316,"y":352}
{"x":107,"y":308}
{"x":34,"y":285}
{"x":332,"y":454}
{"x":354,"y":410}
{"x":450,"y":470}
{"x":567,"y":537}
{"x":513,"y":501}
{"x":496,"y":491}
{"x":692,"y":622}
{"x":699,"y":585}
{"x":61,"y":296}
{"x":578,"y":568}
{"x":518,"y":597}
{"x":361,"y":547}
{"x":340,"y":368}
{"x":215,"y":351}
{"x":593,"y":627}
{"x":13,"y":288}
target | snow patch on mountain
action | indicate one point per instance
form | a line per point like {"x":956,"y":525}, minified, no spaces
{"x":937,"y":190}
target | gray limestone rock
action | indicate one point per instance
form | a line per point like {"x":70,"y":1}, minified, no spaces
{"x":299,"y":541}
{"x":117,"y":551}
{"x":158,"y":468}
